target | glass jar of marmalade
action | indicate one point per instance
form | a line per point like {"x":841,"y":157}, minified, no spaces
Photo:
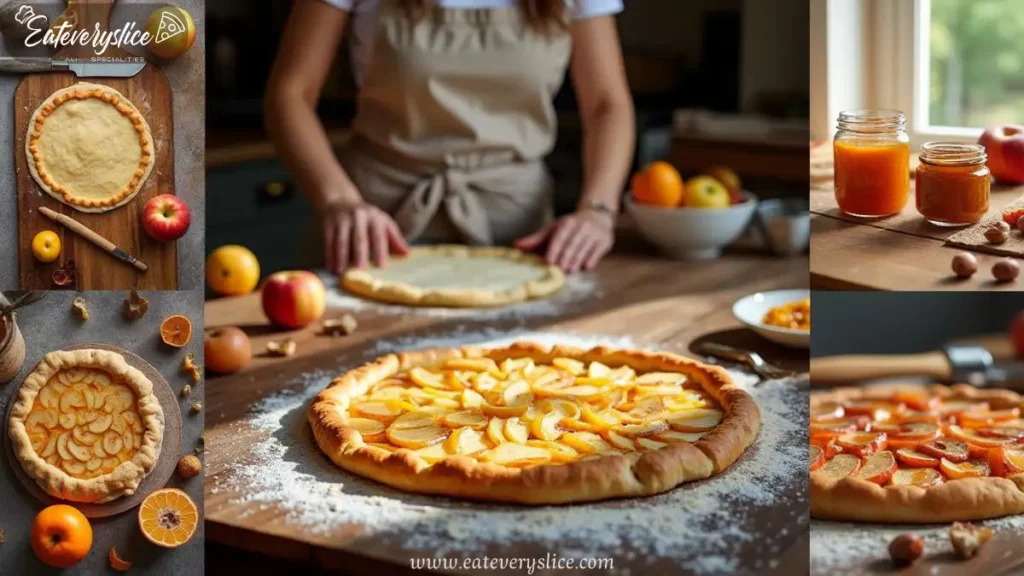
{"x":872,"y":162}
{"x":952,"y":183}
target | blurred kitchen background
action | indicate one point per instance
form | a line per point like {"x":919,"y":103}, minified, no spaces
{"x":715,"y":82}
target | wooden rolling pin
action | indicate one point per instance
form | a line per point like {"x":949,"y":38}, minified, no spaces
{"x":83,"y":231}
{"x":954,"y":362}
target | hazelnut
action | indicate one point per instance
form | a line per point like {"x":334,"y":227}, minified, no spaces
{"x":189,"y":466}
{"x":906,"y":548}
{"x":197,"y":407}
{"x":1020,"y":223}
{"x":997,"y":232}
{"x":965,"y":264}
{"x":186,"y":390}
{"x":1006,"y":270}
{"x":967,"y":538}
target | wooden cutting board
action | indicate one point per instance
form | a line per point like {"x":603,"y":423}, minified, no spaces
{"x":150,"y":92}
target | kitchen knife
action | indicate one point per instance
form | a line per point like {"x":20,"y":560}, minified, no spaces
{"x":954,"y":363}
{"x":82,"y":69}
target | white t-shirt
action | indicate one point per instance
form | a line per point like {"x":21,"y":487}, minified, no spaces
{"x":363,"y":20}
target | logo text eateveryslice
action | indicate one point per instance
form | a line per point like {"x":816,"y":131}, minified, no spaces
{"x":65,"y":34}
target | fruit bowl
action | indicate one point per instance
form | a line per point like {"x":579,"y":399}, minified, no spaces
{"x":751,"y":309}
{"x":692,"y":233}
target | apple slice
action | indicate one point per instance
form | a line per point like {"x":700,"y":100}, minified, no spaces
{"x":465,"y":441}
{"x":619,"y":441}
{"x":409,"y":420}
{"x":428,"y":379}
{"x":566,"y":408}
{"x":517,"y":455}
{"x":370,"y":430}
{"x":912,"y":457}
{"x":696,"y":420}
{"x":817,"y":457}
{"x":675,"y":436}
{"x":495,"y":430}
{"x":415,"y":438}
{"x":827,"y":411}
{"x":878,"y":468}
{"x":980,"y":419}
{"x":910,"y":434}
{"x":920,"y":401}
{"x":586,"y":442}
{"x":841,"y":466}
{"x":646,"y":444}
{"x":546,"y":427}
{"x":670,"y":378}
{"x":1005,"y":461}
{"x":1011,"y":433}
{"x":570,"y":365}
{"x":559,"y":452}
{"x":921,"y":477}
{"x":975,"y":468}
{"x":948,"y":448}
{"x":639,"y":430}
{"x":471,"y":418}
{"x":432,"y":454}
{"x":516,"y":431}
{"x":973,"y":439}
{"x":863,"y":443}
{"x":504,"y":411}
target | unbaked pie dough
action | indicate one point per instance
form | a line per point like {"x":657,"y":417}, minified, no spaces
{"x":457,"y":276}
{"x":535,"y":425}
{"x":89,"y":147}
{"x":86,"y":426}
{"x":916,"y":454}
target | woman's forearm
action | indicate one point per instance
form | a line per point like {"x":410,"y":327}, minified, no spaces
{"x":301,"y":140}
{"x":608,"y":140}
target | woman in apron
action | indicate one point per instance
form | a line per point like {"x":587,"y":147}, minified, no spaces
{"x":454,"y":118}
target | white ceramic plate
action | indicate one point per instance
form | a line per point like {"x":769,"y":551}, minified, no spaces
{"x":751,"y":309}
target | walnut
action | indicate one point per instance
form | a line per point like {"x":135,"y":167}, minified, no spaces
{"x":284,"y":347}
{"x":189,"y":466}
{"x":135,"y":306}
{"x":186,"y":390}
{"x":967,"y":538}
{"x":79,"y":306}
{"x":197,"y":407}
{"x":997,"y":232}
{"x":340,"y":326}
{"x":906,"y":548}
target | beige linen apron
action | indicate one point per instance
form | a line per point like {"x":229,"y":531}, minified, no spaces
{"x":454,"y":118}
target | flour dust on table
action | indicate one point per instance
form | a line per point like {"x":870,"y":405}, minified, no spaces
{"x":701,"y":526}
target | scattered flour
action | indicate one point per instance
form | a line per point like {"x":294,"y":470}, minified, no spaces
{"x":702,"y":527}
{"x":579,"y":287}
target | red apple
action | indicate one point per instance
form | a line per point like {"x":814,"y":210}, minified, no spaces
{"x":293,"y":298}
{"x":1017,"y":333}
{"x":166,"y":217}
{"x":1005,"y":148}
{"x":226,"y":350}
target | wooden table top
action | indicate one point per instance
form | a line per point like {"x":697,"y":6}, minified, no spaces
{"x":655,"y":302}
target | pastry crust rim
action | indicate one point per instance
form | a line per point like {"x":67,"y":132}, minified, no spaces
{"x":81,"y":91}
{"x":855,"y":499}
{"x":581,"y":481}
{"x":123,"y":480}
{"x":363,"y":282}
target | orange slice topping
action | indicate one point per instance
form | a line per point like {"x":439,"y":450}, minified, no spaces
{"x":878,"y":468}
{"x":863,"y":443}
{"x":922,"y":477}
{"x":841,"y":466}
{"x":975,"y":468}
{"x":952,"y":450}
{"x":912,"y":457}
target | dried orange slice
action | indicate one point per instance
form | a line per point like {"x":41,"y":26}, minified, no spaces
{"x":841,"y":466}
{"x":878,"y":468}
{"x":968,"y":469}
{"x":912,"y":457}
{"x":117,"y":563}
{"x":168,"y":518}
{"x":952,"y":450}
{"x":176,"y":330}
{"x":921,"y":477}
{"x":863,"y":443}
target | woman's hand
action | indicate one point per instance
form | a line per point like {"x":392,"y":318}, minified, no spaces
{"x":354,"y":233}
{"x":576,"y":242}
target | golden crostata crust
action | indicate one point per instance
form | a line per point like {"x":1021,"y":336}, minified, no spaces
{"x":457,"y":276}
{"x":89,"y":147}
{"x":86,"y":426}
{"x":918,"y":454}
{"x":534,"y":425}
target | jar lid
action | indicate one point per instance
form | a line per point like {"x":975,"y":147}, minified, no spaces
{"x":952,"y":154}
{"x":872,"y":121}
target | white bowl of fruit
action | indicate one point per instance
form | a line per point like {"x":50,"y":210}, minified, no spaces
{"x":690,"y":220}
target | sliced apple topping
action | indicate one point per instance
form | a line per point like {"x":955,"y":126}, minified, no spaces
{"x":517,"y":393}
{"x":504,"y":411}
{"x":948,"y":448}
{"x":371,"y":430}
{"x":873,"y":409}
{"x":696,"y":420}
{"x":101,"y":424}
{"x":841,"y":425}
{"x":817,"y":457}
{"x":465,"y":441}
{"x":975,"y":468}
{"x":432,"y":454}
{"x":863,"y":443}
{"x":416,"y":438}
{"x":471,"y":418}
{"x":517,"y":455}
{"x":979,"y":419}
{"x":82,"y":435}
{"x":647,"y":444}
{"x":81,"y":453}
{"x":409,"y":420}
{"x":570,"y":365}
{"x":582,"y":392}
{"x":917,"y":400}
{"x":955,"y":408}
{"x":428,"y":379}
{"x":559,"y":452}
{"x":912,"y":457}
{"x":602,"y":418}
{"x":675,"y":436}
{"x":546,"y":427}
{"x":648,"y":408}
{"x":666,"y":378}
{"x":586,"y":442}
{"x":598,"y":370}
{"x":921,"y":477}
{"x":974,"y":439}
{"x":496,"y":430}
{"x":1006,"y":461}
{"x":516,"y":431}
{"x":639,"y":430}
{"x":1011,"y":433}
{"x":841,"y":466}
{"x":619,"y":441}
{"x":67,"y":420}
{"x":878,"y":468}
{"x":567,"y":408}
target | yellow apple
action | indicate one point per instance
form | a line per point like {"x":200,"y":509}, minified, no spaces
{"x":706,"y":192}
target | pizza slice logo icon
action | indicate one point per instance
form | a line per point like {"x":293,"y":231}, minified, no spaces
{"x":170,"y":26}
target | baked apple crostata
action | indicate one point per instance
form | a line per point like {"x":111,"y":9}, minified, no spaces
{"x":916,"y":454}
{"x":86,"y":426}
{"x":534,"y":425}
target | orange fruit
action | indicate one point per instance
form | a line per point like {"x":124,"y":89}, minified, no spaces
{"x":46,"y":246}
{"x":118,"y":563}
{"x":658,"y":184}
{"x":168,"y":518}
{"x":61,"y":536}
{"x":176,"y":330}
{"x":232,"y":270}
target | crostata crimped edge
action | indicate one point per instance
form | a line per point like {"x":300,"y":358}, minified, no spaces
{"x":125,"y":479}
{"x":607,"y":477}
{"x":955,"y":500}
{"x":81,"y":91}
{"x":364,"y":283}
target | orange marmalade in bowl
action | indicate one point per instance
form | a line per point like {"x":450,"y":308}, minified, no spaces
{"x":792,"y":315}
